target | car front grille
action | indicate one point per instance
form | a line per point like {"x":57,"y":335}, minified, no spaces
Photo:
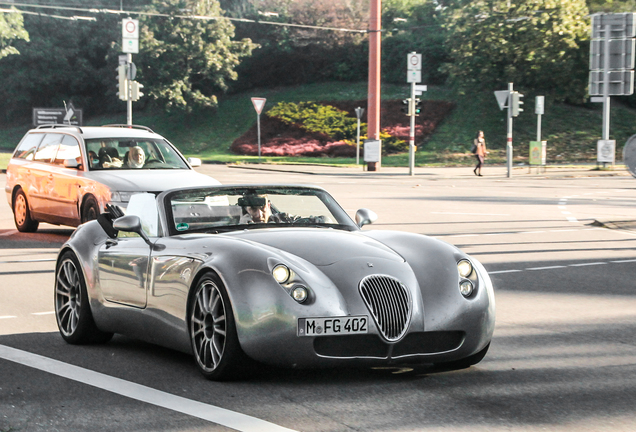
{"x":389,"y":302}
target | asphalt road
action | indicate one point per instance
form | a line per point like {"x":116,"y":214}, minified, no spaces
{"x":563,"y":357}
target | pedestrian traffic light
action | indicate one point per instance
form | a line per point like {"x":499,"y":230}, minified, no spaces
{"x":135,"y":93}
{"x":418,"y":106}
{"x":122,"y":86}
{"x":406,"y":106}
{"x":516,"y":104}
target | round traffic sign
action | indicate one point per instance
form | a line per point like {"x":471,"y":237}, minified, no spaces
{"x":130,"y":27}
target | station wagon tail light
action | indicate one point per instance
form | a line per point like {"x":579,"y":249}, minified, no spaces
{"x":281,"y":273}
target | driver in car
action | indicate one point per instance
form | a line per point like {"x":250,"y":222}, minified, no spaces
{"x":256,"y":209}
{"x":136,"y":157}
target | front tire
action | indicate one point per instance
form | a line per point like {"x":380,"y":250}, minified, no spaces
{"x":215,"y":343}
{"x":72,"y":309}
{"x":90,"y":209}
{"x":22,"y":214}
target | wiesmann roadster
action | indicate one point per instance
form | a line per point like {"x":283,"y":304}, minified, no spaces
{"x":275,"y":274}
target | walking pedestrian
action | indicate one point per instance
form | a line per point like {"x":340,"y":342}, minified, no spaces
{"x":479,"y":149}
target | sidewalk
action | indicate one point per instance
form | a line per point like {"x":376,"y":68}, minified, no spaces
{"x":550,"y":171}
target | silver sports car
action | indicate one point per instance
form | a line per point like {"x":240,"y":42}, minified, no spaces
{"x":274,"y":274}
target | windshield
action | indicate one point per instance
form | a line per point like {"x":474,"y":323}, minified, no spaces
{"x":132,"y":153}
{"x":238,"y":208}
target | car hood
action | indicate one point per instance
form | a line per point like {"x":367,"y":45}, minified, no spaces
{"x":321,"y":247}
{"x":150,"y":180}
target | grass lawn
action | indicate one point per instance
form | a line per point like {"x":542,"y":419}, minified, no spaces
{"x":571,"y":131}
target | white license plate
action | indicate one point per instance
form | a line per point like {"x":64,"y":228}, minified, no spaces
{"x":333,"y":326}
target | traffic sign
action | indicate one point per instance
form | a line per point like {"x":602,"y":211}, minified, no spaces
{"x":413,"y":76}
{"x":130,"y":35}
{"x":414,"y":62}
{"x":258,"y":103}
{"x":130,"y":28}
{"x":502,"y":98}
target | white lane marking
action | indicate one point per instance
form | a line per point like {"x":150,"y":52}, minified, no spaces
{"x":546,"y":268}
{"x":214,"y":414}
{"x":566,"y":212}
{"x":28,"y":261}
{"x":8,"y":233}
{"x":43,"y":313}
{"x":472,"y":214}
{"x":563,"y":266}
{"x":572,"y":219}
{"x":7,"y":317}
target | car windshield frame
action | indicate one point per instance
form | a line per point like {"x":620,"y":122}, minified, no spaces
{"x":158,"y":152}
{"x":221,"y":209}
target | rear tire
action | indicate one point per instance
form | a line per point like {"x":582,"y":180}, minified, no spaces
{"x":215,"y":344}
{"x":22,"y":214}
{"x":72,"y":308}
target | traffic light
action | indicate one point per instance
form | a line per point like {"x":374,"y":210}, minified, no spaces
{"x":135,"y":93}
{"x":418,"y":106}
{"x":122,"y":87}
{"x":406,"y":108}
{"x":516,"y":103}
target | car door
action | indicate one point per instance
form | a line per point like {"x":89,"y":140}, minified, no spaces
{"x":66,"y":181}
{"x":123,"y":270}
{"x":40,"y":174}
{"x":123,"y":262}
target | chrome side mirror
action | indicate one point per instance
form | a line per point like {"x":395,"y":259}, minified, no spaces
{"x":365,"y":217}
{"x":194,"y":162}
{"x":132,"y":223}
{"x":129,"y":223}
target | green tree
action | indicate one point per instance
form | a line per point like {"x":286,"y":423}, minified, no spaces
{"x":542,"y":45}
{"x":185,"y":62}
{"x":11,"y":28}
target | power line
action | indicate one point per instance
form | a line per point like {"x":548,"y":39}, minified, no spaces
{"x":162,"y":15}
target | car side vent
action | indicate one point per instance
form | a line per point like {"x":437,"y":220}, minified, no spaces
{"x":389,"y":302}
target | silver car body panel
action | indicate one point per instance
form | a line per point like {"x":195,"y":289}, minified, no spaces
{"x":144,"y":293}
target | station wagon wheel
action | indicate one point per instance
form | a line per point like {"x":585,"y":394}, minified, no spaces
{"x":215,"y":344}
{"x":22,"y":214}
{"x":72,"y":309}
{"x":90,"y":209}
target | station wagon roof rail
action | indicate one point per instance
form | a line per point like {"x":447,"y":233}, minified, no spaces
{"x":130,"y":127}
{"x":55,"y":126}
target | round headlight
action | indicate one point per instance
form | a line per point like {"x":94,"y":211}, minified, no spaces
{"x":281,"y":273}
{"x":300,"y":294}
{"x":466,"y":288}
{"x":465,"y":268}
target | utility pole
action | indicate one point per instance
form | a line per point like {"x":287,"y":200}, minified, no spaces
{"x":373,"y":101}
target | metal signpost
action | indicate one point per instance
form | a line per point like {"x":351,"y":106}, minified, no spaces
{"x":512,"y":100}
{"x":130,"y":45}
{"x":611,"y":68}
{"x":413,"y":75}
{"x":538,"y":148}
{"x":258,"y":103}
{"x":359,"y":112}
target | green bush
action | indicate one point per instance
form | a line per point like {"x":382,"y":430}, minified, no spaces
{"x":316,"y":118}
